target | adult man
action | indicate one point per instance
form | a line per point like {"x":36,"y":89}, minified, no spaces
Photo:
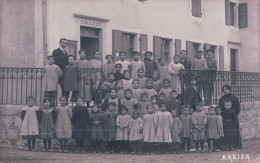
{"x":61,"y":56}
{"x":186,"y":62}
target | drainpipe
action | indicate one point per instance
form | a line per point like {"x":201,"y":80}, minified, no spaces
{"x":44,"y":28}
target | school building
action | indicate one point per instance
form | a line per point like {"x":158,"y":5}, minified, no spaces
{"x":31,"y":29}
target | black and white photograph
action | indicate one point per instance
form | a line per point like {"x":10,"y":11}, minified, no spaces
{"x":118,"y":81}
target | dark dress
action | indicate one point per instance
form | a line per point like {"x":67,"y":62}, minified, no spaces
{"x":118,"y":76}
{"x":150,"y":67}
{"x":80,"y":121}
{"x":47,"y":120}
{"x":174,"y":105}
{"x":192,"y":96}
{"x":97,"y":129}
{"x":109,"y":126}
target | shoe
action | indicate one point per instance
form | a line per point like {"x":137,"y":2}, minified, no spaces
{"x":197,"y":151}
{"x":33,"y":149}
{"x":65,"y":151}
{"x":133,"y":152}
{"x":201,"y":151}
{"x":28,"y":149}
{"x":107,"y":152}
{"x":139,"y":153}
{"x":50,"y":150}
{"x":125,"y":152}
{"x":122,"y":152}
{"x":43,"y":150}
{"x":60,"y":150}
{"x":151,"y":153}
{"x":111,"y":151}
{"x":209,"y":150}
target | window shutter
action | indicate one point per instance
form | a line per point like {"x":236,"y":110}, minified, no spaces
{"x":196,"y":8}
{"x":143,"y":45}
{"x":221,"y":58}
{"x":190,"y":49}
{"x":156,"y":48}
{"x":242,"y":15}
{"x":117,"y":43}
{"x":177,"y":46}
{"x":227,"y":11}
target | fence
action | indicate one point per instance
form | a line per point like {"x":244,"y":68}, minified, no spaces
{"x":18,"y":83}
{"x":245,"y":85}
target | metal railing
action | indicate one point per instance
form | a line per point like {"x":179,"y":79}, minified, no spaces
{"x":245,"y":85}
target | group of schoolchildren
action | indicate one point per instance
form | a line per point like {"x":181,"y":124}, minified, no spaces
{"x":140,"y":111}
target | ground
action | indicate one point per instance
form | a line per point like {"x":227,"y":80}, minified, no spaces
{"x":250,"y":147}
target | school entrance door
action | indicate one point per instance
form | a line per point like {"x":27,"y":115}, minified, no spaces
{"x":89,"y":40}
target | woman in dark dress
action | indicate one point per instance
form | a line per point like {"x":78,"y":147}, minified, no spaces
{"x":228,"y":96}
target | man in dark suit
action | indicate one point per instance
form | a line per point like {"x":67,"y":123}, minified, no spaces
{"x":60,"y":59}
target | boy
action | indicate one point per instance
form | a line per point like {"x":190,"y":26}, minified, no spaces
{"x":118,"y":74}
{"x":192,"y":94}
{"x":136,"y":64}
{"x":150,"y":65}
{"x":174,"y":103}
{"x":125,"y":63}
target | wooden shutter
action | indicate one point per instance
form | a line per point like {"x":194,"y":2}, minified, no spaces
{"x":190,"y":49}
{"x":177,"y":46}
{"x":242,"y":15}
{"x":227,"y":12}
{"x":157,"y":48}
{"x":221,"y":58}
{"x":117,"y":42}
{"x":143,"y":45}
{"x":196,"y":8}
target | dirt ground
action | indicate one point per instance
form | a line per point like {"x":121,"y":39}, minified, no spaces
{"x":251,"y":150}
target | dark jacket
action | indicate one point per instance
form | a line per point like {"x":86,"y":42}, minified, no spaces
{"x":61,"y":59}
{"x":235,"y":103}
{"x":150,"y":67}
{"x":186,"y":63}
{"x":191,"y":95}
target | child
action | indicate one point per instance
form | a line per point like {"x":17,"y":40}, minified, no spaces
{"x":108,"y":85}
{"x":186,"y":128}
{"x":113,"y":98}
{"x":156,"y":81}
{"x":176,"y":131}
{"x":141,"y":78}
{"x":109,"y":66}
{"x":199,"y":121}
{"x":162,"y":98}
{"x":136,"y":64}
{"x":50,"y":80}
{"x":174,"y":69}
{"x":163,"y":123}
{"x":29,"y":128}
{"x":80,"y":121}
{"x":144,"y":103}
{"x":125,"y":63}
{"x":63,"y":124}
{"x":150,"y":65}
{"x":220,"y":133}
{"x":47,"y":119}
{"x":149,"y":129}
{"x":166,"y":89}
{"x":122,"y":123}
{"x":153,"y":100}
{"x":119,"y":90}
{"x":135,"y":131}
{"x":174,"y":103}
{"x":127,"y":81}
{"x":231,"y":125}
{"x":118,"y":74}
{"x":149,"y":88}
{"x":163,"y":69}
{"x":84,"y":88}
{"x":97,"y":119}
{"x":212,"y":128}
{"x":192,"y":94}
{"x":72,"y":79}
{"x":136,"y":90}
{"x":109,"y":127}
{"x":129,"y":102}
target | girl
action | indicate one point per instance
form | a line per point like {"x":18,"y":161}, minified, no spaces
{"x":118,"y":74}
{"x":150,"y":64}
{"x":72,"y":79}
{"x":176,"y":131}
{"x":186,"y":128}
{"x":129,"y":102}
{"x":47,"y":119}
{"x":109,"y":66}
{"x":156,"y":81}
{"x":212,"y":128}
{"x":135,"y":131}
{"x":174,"y":69}
{"x":199,"y":121}
{"x":141,"y":78}
{"x":231,"y":125}
{"x":63,"y":124}
{"x":144,"y":103}
{"x":122,"y":123}
{"x":127,"y":81}
{"x":84,"y":88}
{"x":29,"y":128}
{"x":136,"y":90}
{"x":119,"y":90}
{"x":108,"y":85}
{"x":163,"y":123}
{"x":166,"y":89}
{"x":136,"y":64}
{"x":109,"y":127}
{"x":154,"y":103}
{"x":149,"y":129}
{"x":112,"y":98}
{"x":149,"y":88}
{"x":123,"y":61}
{"x":163,"y":69}
{"x":97,"y":119}
{"x":80,"y":121}
{"x":220,"y":133}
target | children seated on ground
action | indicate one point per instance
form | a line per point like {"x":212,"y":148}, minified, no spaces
{"x":119,"y":90}
{"x":118,"y":74}
{"x":29,"y":128}
{"x":112,"y":98}
{"x":141,"y":78}
{"x":129,"y":102}
{"x":149,"y":88}
{"x":176,"y":132}
{"x":144,"y":103}
{"x":166,"y":89}
{"x":186,"y":129}
{"x":109,"y":66}
{"x":122,"y":60}
{"x":136,"y":90}
{"x":150,"y":64}
{"x":211,"y":129}
{"x":153,"y":101}
{"x":127,"y":81}
{"x":136,"y":64}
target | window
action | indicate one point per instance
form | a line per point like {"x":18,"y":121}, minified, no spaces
{"x":196,"y":8}
{"x":162,"y":48}
{"x":242,"y":15}
{"x":232,"y":14}
{"x":192,"y":47}
{"x":71,"y":48}
{"x":128,"y":44}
